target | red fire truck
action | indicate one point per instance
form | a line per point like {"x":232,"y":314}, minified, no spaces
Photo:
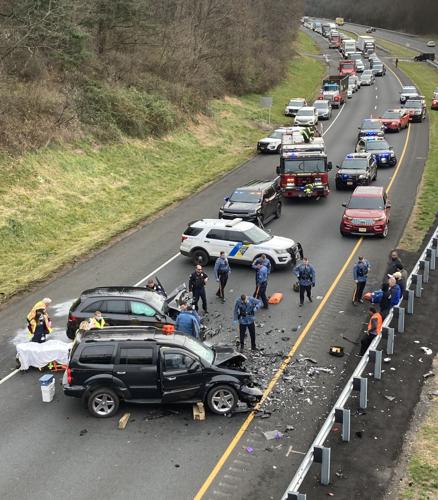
{"x":304,"y":174}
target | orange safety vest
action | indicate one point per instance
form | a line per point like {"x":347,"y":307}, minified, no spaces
{"x":379,"y":319}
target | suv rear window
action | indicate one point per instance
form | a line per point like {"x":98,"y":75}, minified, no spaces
{"x":193,"y":231}
{"x":97,"y":355}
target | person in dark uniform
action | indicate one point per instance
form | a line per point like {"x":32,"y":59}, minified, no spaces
{"x":222,"y":271}
{"x":197,"y":281}
{"x":262,"y":284}
{"x":306,"y":275}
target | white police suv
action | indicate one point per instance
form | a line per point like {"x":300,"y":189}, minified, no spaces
{"x":241,"y":241}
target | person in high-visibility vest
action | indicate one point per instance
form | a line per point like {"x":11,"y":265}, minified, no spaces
{"x":374,"y":329}
{"x":97,"y":321}
{"x":41,"y":305}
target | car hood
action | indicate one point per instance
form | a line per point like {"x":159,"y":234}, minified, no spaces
{"x":269,"y":140}
{"x":177,"y":296}
{"x":226,"y":355}
{"x":278,"y":243}
{"x":240,"y":207}
{"x":390,"y":120}
{"x":321,"y":111}
{"x":359,"y":213}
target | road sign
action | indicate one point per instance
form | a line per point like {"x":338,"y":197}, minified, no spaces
{"x":266,"y":102}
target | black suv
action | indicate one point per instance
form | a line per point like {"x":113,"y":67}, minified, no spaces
{"x":371,"y":127}
{"x":358,"y":169}
{"x":258,"y":201}
{"x":126,"y":305}
{"x":143,"y":365}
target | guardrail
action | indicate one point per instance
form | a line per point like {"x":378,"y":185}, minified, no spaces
{"x":317,"y":453}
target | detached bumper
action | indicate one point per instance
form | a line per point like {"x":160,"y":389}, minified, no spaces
{"x":250,"y":394}
{"x":77,"y":391}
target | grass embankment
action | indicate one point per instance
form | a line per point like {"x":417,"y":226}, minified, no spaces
{"x":59,"y":203}
{"x":350,"y":34}
{"x":396,"y":49}
{"x":423,"y":215}
{"x":422,"y":470}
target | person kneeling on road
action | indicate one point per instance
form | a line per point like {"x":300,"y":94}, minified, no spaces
{"x":306,"y":275}
{"x":187,"y":322}
{"x":244,"y":313}
{"x":40,"y":326}
{"x":374,"y":329}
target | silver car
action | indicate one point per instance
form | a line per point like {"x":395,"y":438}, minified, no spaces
{"x":367,"y":77}
{"x":323,"y":108}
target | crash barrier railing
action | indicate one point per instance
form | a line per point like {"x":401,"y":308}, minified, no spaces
{"x":317,"y":452}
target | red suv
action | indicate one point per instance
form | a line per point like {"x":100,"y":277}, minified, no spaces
{"x":367,"y":212}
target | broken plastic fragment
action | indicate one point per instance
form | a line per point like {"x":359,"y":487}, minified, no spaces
{"x":426,"y":350}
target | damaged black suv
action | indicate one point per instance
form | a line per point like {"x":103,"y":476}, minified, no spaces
{"x":146,"y":365}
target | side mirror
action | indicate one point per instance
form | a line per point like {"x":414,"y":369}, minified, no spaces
{"x":388,"y":204}
{"x":195,"y":367}
{"x":277,"y":170}
{"x":337,"y":166}
{"x":344,"y":205}
{"x":329,"y":165}
{"x":391,"y":148}
{"x":226,"y":198}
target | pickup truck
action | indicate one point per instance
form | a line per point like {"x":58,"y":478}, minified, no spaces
{"x":334,"y":89}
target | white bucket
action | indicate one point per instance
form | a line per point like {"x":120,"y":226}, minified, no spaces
{"x":48,"y":392}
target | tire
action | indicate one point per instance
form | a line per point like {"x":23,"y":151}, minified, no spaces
{"x":399,"y":129}
{"x":343,"y":234}
{"x":278,"y":211}
{"x":278,"y":149}
{"x":338,"y":187}
{"x":222,"y":399}
{"x":375,"y":176}
{"x":385,"y":232}
{"x":103,"y":403}
{"x":200,"y":256}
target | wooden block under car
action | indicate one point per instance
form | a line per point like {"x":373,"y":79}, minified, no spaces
{"x":198,"y":411}
{"x":123,"y":422}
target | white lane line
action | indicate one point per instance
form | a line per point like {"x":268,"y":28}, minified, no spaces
{"x":9,"y":376}
{"x":375,"y":107}
{"x":377,"y":96}
{"x":158,"y":269}
{"x":334,"y":121}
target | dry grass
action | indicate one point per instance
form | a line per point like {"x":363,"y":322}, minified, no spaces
{"x":422,"y":473}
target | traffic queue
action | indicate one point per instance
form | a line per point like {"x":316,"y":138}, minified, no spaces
{"x":140,"y":344}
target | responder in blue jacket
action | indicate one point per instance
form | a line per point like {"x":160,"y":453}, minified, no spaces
{"x":262,"y":260}
{"x":187,"y":322}
{"x":261,"y":284}
{"x":244,"y":313}
{"x":306,"y":275}
{"x":360,"y":276}
{"x":394,"y":291}
{"x":221,"y":271}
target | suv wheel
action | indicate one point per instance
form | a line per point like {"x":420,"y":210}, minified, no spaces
{"x":278,"y":211}
{"x":103,"y":403}
{"x":385,"y":232}
{"x":200,"y":256}
{"x":222,"y":399}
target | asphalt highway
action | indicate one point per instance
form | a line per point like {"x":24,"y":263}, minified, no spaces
{"x":406,"y":40}
{"x":58,"y":449}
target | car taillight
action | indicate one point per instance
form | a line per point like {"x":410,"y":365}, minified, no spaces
{"x":184,"y":237}
{"x":72,"y":317}
{"x":337,"y":98}
{"x":69,"y":376}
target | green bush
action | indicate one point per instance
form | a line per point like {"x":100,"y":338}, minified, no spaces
{"x":114,"y":111}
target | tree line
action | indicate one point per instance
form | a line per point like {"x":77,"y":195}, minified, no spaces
{"x":419,"y":16}
{"x":135,"y":67}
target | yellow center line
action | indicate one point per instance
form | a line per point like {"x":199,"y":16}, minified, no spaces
{"x":211,"y":477}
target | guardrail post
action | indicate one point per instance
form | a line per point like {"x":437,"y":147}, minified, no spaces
{"x":399,"y":313}
{"x":417,"y":280}
{"x":361,"y":384}
{"x":424,"y":266}
{"x":388,"y":333}
{"x":321,"y":455}
{"x":342,"y":416}
{"x":294,"y":495}
{"x":431,"y":255}
{"x":411,"y":298}
{"x":376,"y":357}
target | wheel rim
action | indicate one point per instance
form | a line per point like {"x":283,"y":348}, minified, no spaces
{"x":103,"y":404}
{"x":200,"y":258}
{"x":222,"y":400}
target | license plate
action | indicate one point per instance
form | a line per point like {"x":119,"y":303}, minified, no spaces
{"x":349,"y":183}
{"x":362,"y":230}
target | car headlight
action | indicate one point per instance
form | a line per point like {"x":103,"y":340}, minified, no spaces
{"x":280,"y":252}
{"x":392,"y":155}
{"x":362,"y":176}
